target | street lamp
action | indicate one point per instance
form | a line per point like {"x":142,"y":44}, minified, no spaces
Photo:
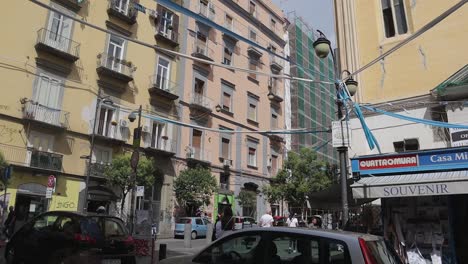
{"x":271,"y":95}
{"x":322,"y":48}
{"x":134,"y":163}
{"x":99,"y":100}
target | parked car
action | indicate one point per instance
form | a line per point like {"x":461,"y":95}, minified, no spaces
{"x":71,"y":237}
{"x":199,"y":226}
{"x":241,"y":222}
{"x":293,"y":246}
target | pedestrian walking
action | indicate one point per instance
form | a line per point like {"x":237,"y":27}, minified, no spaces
{"x":9,"y":226}
{"x":266,"y":220}
{"x":292,"y":220}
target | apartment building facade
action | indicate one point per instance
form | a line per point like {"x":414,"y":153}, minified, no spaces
{"x":418,"y":81}
{"x":230,"y":100}
{"x":61,"y":75}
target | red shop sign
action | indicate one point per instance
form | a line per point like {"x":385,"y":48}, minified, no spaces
{"x":389,"y":162}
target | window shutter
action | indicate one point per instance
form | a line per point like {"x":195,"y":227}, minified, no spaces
{"x":175,"y":23}
{"x":159,"y":10}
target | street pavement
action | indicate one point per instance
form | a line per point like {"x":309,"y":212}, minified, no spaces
{"x":175,"y":247}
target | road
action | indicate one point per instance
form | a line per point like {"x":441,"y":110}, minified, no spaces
{"x":175,"y":247}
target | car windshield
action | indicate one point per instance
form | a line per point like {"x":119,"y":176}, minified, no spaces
{"x":382,"y":252}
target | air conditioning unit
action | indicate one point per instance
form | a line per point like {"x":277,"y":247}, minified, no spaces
{"x":123,"y":123}
{"x":227,"y":162}
{"x":145,"y":129}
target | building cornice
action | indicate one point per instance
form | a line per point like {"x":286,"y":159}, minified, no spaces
{"x":253,"y":21}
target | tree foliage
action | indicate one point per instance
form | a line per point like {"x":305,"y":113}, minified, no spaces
{"x":194,"y":188}
{"x":120,"y":174}
{"x":302,"y":174}
{"x":247,"y":198}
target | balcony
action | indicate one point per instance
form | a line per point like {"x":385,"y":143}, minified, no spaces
{"x":114,"y":68}
{"x":276,"y":63}
{"x":166,"y":33}
{"x":274,"y":92}
{"x":276,"y":137}
{"x":57,"y":45}
{"x":163,"y":147}
{"x":32,"y":158}
{"x":74,"y":5}
{"x":197,"y":156}
{"x":201,"y":103}
{"x":46,"y":160}
{"x":254,"y":52}
{"x":36,"y":112}
{"x":98,"y":170}
{"x":161,"y":86}
{"x":206,"y":9}
{"x":202,"y":50}
{"x":123,"y":10}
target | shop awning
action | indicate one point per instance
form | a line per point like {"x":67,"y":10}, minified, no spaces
{"x":420,"y":184}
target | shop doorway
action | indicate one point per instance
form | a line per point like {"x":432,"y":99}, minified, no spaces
{"x":28,"y":206}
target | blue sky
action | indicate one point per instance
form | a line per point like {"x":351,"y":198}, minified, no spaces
{"x":319,"y":14}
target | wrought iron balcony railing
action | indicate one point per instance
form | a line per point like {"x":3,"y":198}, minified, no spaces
{"x":58,"y":44}
{"x":37,"y":112}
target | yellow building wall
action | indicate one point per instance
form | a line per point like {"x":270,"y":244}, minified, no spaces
{"x":419,"y":66}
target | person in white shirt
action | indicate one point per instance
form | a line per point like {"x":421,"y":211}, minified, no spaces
{"x":266,"y":220}
{"x":292,"y":221}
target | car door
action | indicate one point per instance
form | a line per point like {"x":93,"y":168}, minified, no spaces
{"x":33,"y":240}
{"x":237,"y":248}
{"x":293,"y":248}
{"x":200,"y":227}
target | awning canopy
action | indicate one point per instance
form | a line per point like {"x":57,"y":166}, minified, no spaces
{"x":420,"y":184}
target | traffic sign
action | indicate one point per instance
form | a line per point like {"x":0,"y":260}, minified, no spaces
{"x":341,"y":134}
{"x":140,"y":191}
{"x":51,"y":182}
{"x":49,"y":192}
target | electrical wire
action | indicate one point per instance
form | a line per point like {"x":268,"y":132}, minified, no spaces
{"x":158,"y":48}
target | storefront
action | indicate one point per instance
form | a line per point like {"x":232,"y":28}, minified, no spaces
{"x":424,"y":197}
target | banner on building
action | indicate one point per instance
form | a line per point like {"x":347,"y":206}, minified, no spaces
{"x":459,"y":137}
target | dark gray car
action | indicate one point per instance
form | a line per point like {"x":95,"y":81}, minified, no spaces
{"x":282,"y":245}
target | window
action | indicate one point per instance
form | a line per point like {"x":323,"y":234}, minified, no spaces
{"x":229,"y":22}
{"x":253,"y":9}
{"x":58,"y":31}
{"x":224,"y":180}
{"x":45,"y":222}
{"x":227,"y":58}
{"x":115,"y":53}
{"x":225,"y":148}
{"x":273,"y":25}
{"x":48,"y":94}
{"x":121,"y":6}
{"x":102,"y":155}
{"x":252,"y":112}
{"x":337,"y":252}
{"x":105,"y":121}
{"x":112,"y":228}
{"x":227,"y":102}
{"x":410,"y":144}
{"x":167,"y":20}
{"x":274,"y":121}
{"x":199,"y":85}
{"x":253,"y":67}
{"x":274,"y":164}
{"x":196,"y":143}
{"x":198,"y":221}
{"x":245,"y":247}
{"x":294,"y":249}
{"x":273,"y":84}
{"x":162,"y":75}
{"x":40,"y":141}
{"x":253,"y":35}
{"x":158,"y":133}
{"x":252,"y":152}
{"x":394,"y":17}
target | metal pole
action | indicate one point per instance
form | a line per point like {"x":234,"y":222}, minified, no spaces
{"x":91,"y":149}
{"x":132,"y":203}
{"x":342,"y":152}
